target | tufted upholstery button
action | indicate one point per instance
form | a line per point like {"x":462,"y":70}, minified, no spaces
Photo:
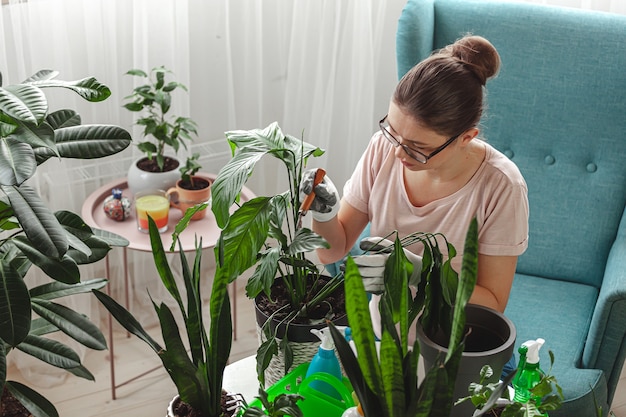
{"x":591,"y":167}
{"x":549,"y":160}
{"x":509,"y":153}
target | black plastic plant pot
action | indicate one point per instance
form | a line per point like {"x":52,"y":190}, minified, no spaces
{"x":491,"y":341}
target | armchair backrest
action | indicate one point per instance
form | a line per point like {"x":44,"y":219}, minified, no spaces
{"x":557,"y":109}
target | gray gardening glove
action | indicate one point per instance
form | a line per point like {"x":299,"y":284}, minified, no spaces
{"x":372,"y":266}
{"x":326,"y":203}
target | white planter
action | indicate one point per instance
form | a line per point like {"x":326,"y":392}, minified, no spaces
{"x":139,"y":180}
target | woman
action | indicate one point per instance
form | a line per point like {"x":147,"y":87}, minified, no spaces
{"x":426,"y":170}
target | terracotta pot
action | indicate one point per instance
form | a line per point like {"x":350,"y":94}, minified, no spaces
{"x":183,"y":198}
{"x":139,"y":180}
{"x":491,"y":342}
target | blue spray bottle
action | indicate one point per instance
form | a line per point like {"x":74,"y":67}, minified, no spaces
{"x":528,"y":371}
{"x":326,"y":361}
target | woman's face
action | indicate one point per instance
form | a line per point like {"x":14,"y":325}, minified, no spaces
{"x":420,"y":139}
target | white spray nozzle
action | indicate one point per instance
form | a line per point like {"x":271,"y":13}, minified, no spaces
{"x":533,"y":346}
{"x":325,"y":337}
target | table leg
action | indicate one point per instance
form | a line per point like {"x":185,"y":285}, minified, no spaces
{"x":111,"y":343}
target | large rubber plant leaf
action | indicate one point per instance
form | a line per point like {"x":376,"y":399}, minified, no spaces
{"x":24,"y":103}
{"x":109,"y":238}
{"x":37,"y":136}
{"x":32,"y":400}
{"x":50,"y":351}
{"x":127,"y":320}
{"x":17,"y":162}
{"x":41,"y":227}
{"x":8,"y":125}
{"x":243,"y":236}
{"x":15,"y":311}
{"x":88,"y":88}
{"x":62,"y":269}
{"x":54,"y":290}
{"x":75,"y":325}
{"x":98,"y":249}
{"x":41,"y":75}
{"x":230,"y":181}
{"x":63,"y":118}
{"x":86,"y":142}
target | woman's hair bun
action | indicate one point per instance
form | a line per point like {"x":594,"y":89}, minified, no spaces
{"x":478,"y":54}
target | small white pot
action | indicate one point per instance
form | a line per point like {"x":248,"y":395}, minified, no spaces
{"x":139,"y":180}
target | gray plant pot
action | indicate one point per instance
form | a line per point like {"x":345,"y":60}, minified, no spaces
{"x":491,"y":342}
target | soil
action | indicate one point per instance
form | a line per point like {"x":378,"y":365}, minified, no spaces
{"x":150,"y":165}
{"x":334,"y":306}
{"x":11,"y":407}
{"x":198,"y":184}
{"x":182,"y":409}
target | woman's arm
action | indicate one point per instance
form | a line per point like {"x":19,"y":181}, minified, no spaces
{"x":495,"y":278}
{"x":340,"y":232}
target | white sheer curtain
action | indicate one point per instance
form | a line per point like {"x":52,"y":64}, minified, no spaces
{"x":323,"y":69}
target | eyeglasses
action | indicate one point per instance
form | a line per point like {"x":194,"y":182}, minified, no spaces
{"x":413,"y":153}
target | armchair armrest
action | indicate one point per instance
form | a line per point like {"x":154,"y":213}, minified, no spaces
{"x":606,"y":343}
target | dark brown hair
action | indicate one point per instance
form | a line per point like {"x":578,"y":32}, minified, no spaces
{"x":445,"y":91}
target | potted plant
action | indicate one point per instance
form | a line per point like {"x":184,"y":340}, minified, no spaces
{"x":191,"y":189}
{"x":386,"y":383}
{"x":198,"y":374}
{"x":492,"y":336}
{"x":156,"y":170}
{"x":482,"y":396}
{"x":57,"y":243}
{"x":289,"y":291}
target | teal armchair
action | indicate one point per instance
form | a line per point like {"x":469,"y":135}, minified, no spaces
{"x":558,"y":110}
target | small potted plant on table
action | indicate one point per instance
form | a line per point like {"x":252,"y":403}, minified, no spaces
{"x":157,"y":170}
{"x":191,"y":189}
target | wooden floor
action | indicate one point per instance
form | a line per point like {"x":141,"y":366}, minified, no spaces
{"x":149,"y":395}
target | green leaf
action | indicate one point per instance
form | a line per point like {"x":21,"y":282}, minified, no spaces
{"x":88,"y":88}
{"x":63,"y":118}
{"x":63,"y":270}
{"x":73,"y":324}
{"x":50,"y":351}
{"x":360,"y":321}
{"x":244,"y":235}
{"x":264,"y":274}
{"x":86,"y":142}
{"x":306,"y":240}
{"x":126,"y":319}
{"x":15,"y":312}
{"x":40,"y":225}
{"x":33,"y":401}
{"x":54,"y":290}
{"x":17,"y":162}
{"x":24,"y":103}
{"x":230,"y":181}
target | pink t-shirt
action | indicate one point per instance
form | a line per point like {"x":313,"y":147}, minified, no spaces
{"x":496,"y":195}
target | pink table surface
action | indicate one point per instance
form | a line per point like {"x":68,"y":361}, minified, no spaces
{"x":93,"y":214}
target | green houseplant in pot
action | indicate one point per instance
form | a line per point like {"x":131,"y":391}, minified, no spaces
{"x":386,"y":384}
{"x":492,"y":336}
{"x":198,"y":375}
{"x":56,"y":243}
{"x":161,"y":130}
{"x":191,"y":189}
{"x":265,"y":232}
